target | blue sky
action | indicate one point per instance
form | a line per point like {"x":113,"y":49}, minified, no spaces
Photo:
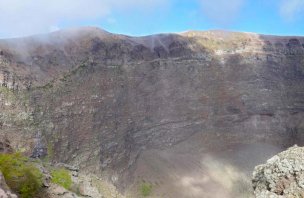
{"x":143,"y":17}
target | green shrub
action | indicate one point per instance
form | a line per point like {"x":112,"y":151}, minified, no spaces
{"x":145,"y":189}
{"x":20,"y":174}
{"x":62,"y":177}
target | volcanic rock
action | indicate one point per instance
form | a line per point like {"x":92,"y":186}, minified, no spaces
{"x":109,"y":104}
{"x":282,"y":175}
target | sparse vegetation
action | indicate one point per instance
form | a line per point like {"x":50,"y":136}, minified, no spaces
{"x":7,"y":93}
{"x":50,"y":152}
{"x":20,"y":174}
{"x":62,"y":177}
{"x":46,"y":86}
{"x":145,"y":189}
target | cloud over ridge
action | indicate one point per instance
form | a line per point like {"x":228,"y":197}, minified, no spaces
{"x":222,"y":12}
{"x":25,"y":17}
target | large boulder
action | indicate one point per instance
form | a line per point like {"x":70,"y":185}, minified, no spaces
{"x":282,"y":176}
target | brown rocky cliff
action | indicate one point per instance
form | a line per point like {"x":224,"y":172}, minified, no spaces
{"x":99,"y":99}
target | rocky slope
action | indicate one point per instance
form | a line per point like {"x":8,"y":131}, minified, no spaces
{"x":80,"y":186}
{"x":153,"y":109}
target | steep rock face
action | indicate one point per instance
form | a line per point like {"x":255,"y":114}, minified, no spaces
{"x":97,"y":100}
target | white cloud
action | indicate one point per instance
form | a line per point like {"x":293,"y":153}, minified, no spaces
{"x":222,"y":12}
{"x":25,"y":17}
{"x":54,"y":28}
{"x":291,"y":9}
{"x":111,"y":20}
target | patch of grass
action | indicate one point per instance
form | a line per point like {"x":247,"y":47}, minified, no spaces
{"x":62,"y":177}
{"x":7,"y":93}
{"x":145,"y":189}
{"x":4,"y":89}
{"x":22,"y":176}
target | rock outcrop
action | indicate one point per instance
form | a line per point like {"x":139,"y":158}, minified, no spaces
{"x":55,"y":191}
{"x":5,"y":192}
{"x":282,"y":176}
